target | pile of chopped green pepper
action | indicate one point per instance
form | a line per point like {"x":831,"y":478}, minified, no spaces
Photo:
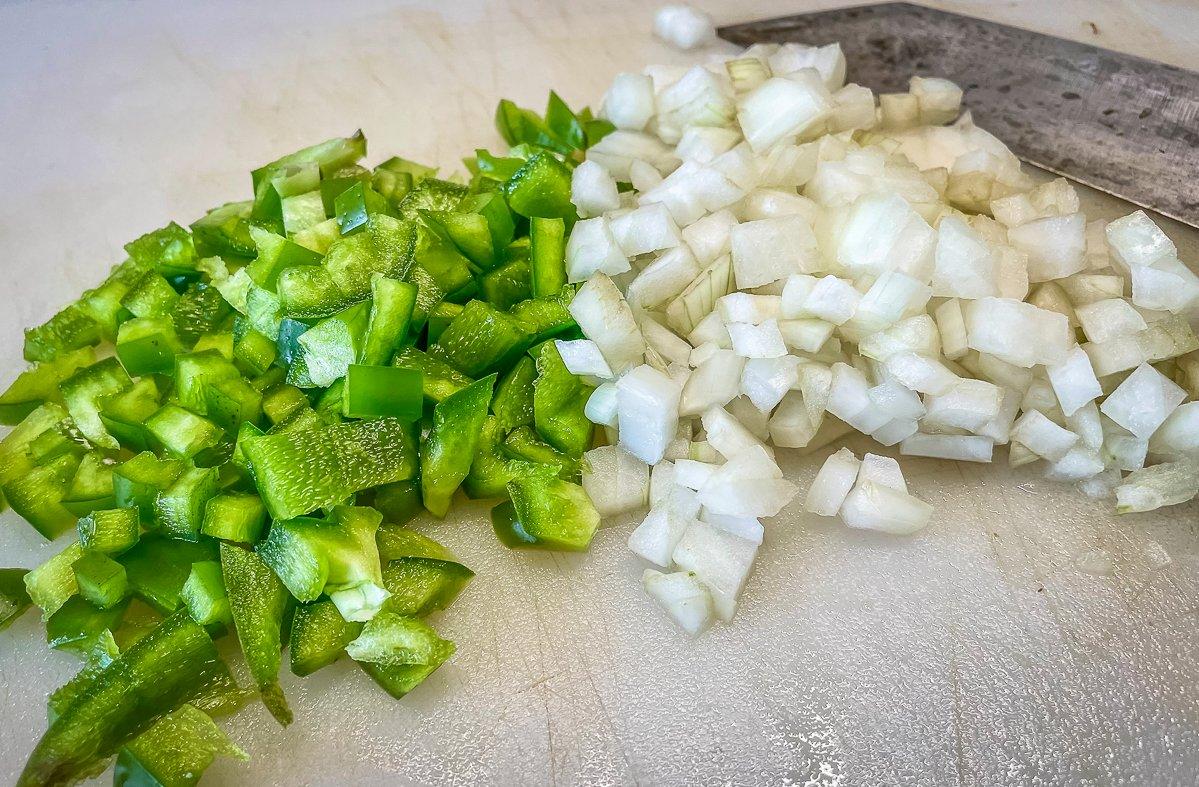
{"x":292,"y":378}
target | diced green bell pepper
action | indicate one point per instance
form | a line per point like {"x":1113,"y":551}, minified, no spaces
{"x":151,"y":296}
{"x":356,"y":205}
{"x":399,"y":652}
{"x":225,"y":231}
{"x":68,"y":330}
{"x":546,"y":318}
{"x":179,"y":509}
{"x":382,"y":391}
{"x":37,"y":495}
{"x":558,"y":402}
{"x":124,"y":414}
{"x":541,"y":188}
{"x":220,"y":340}
{"x":14,"y":447}
{"x":195,"y":370}
{"x":148,"y":345}
{"x":319,"y":635}
{"x":282,"y":402}
{"x":438,"y":378}
{"x":62,"y":439}
{"x":204,"y":594}
{"x":82,"y":391}
{"x":110,"y":531}
{"x":169,"y":250}
{"x":91,"y":488}
{"x":523,"y":443}
{"x":431,"y":194}
{"x":182,"y":433}
{"x":335,"y":556}
{"x":547,"y":255}
{"x":421,"y":575}
{"x":53,"y":582}
{"x":299,"y":473}
{"x":449,"y":450}
{"x":258,"y":601}
{"x":137,"y":482}
{"x":14,"y":598}
{"x":230,"y":403}
{"x":392,"y":303}
{"x":173,"y":664}
{"x":275,"y":254}
{"x":545,"y":513}
{"x":235,"y":517}
{"x":158,"y":567}
{"x":302,"y":211}
{"x":39,"y":384}
{"x":253,"y":353}
{"x":101,"y":579}
{"x":78,"y":624}
{"x":329,"y":347}
{"x":398,"y":502}
{"x":481,"y":340}
{"x":174,"y":752}
{"x":507,"y":285}
{"x":513,"y":400}
{"x":200,"y":310}
{"x":492,"y":470}
{"x":494,"y":209}
{"x":440,"y":318}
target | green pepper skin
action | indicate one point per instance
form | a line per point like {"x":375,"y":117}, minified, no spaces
{"x":319,"y":636}
{"x":258,"y":601}
{"x":300,"y":472}
{"x":158,"y":567}
{"x":545,"y":513}
{"x":438,"y":378}
{"x":174,"y":752}
{"x":541,"y":188}
{"x":14,"y":597}
{"x":559,"y":399}
{"x":38,"y":385}
{"x":173,"y":664}
{"x":450,"y":447}
{"x":421,"y":575}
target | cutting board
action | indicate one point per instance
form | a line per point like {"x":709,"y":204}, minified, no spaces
{"x":973,"y":653}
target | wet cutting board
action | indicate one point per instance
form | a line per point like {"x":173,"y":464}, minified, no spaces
{"x":973,"y":653}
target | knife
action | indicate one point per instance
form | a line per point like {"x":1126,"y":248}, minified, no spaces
{"x":1119,"y":123}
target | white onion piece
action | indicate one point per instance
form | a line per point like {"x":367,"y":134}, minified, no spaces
{"x":714,"y":383}
{"x":1143,"y":401}
{"x":767,"y":250}
{"x":615,"y":480}
{"x":606,"y":319}
{"x":1134,"y":240}
{"x":659,"y":533}
{"x":1109,"y":319}
{"x":1166,"y":484}
{"x":593,"y":248}
{"x":882,"y":470}
{"x":1042,"y":436}
{"x":832,"y":483}
{"x":583,"y":357}
{"x":963,"y":448}
{"x":647,"y":411}
{"x":720,"y":560}
{"x":682,"y":596}
{"x":1074,"y":381}
{"x":780,"y":108}
{"x":727,"y":435}
{"x":684,"y":27}
{"x":593,"y":190}
{"x":601,"y":405}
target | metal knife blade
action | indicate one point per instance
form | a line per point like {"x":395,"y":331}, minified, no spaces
{"x":1119,"y":123}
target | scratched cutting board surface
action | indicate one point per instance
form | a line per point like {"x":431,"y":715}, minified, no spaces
{"x":973,"y":653}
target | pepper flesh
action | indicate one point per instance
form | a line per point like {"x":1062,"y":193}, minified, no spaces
{"x":258,"y":601}
{"x":451,"y":444}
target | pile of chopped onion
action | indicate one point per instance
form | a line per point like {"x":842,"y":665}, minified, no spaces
{"x":772,"y":258}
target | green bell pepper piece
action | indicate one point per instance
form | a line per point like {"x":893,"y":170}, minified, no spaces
{"x":264,"y":310}
{"x":276,"y":254}
{"x":545,"y":513}
{"x":558,"y":402}
{"x":481,"y":340}
{"x":398,"y":502}
{"x":513,"y":400}
{"x":109,"y":532}
{"x":439,"y":319}
{"x":438,"y":378}
{"x":507,"y":285}
{"x":564,"y":123}
{"x":69,"y":330}
{"x":53,"y":582}
{"x":200,"y":310}
{"x":179,"y":509}
{"x":151,"y":296}
{"x":356,"y":205}
{"x":158,"y":567}
{"x":282,"y":402}
{"x":169,"y":250}
{"x":546,"y":318}
{"x":62,"y":439}
{"x":14,"y":598}
{"x":335,"y":556}
{"x":399,"y":652}
{"x":14,"y":447}
{"x":431,"y":194}
{"x":148,"y":345}
{"x":174,"y":752}
{"x":523,"y":443}
{"x":428,"y":294}
{"x":82,"y":391}
{"x":421,"y":575}
{"x":235,"y":517}
{"x":392,"y":303}
{"x":225,"y":231}
{"x":494,"y":209}
{"x":326,"y":157}
{"x":38,"y":385}
{"x":438,"y":255}
{"x":319,"y":635}
{"x":382,"y":391}
{"x":302,"y":211}
{"x":547,"y":255}
{"x":195,"y":370}
{"x":124,"y":414}
{"x":173,"y":664}
{"x":541,"y":188}
{"x":138,"y":481}
{"x":204,"y":594}
{"x":37,"y":496}
{"x":230,"y":403}
{"x":492,"y":469}
{"x":449,"y":450}
{"x":182,"y":433}
{"x":91,"y":488}
{"x":300,"y":472}
{"x":101,"y":580}
{"x":78,"y":625}
{"x":220,"y":341}
{"x":253,"y":353}
{"x":330,"y":346}
{"x":258,"y":601}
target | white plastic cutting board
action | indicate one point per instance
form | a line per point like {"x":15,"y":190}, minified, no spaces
{"x":973,"y":653}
